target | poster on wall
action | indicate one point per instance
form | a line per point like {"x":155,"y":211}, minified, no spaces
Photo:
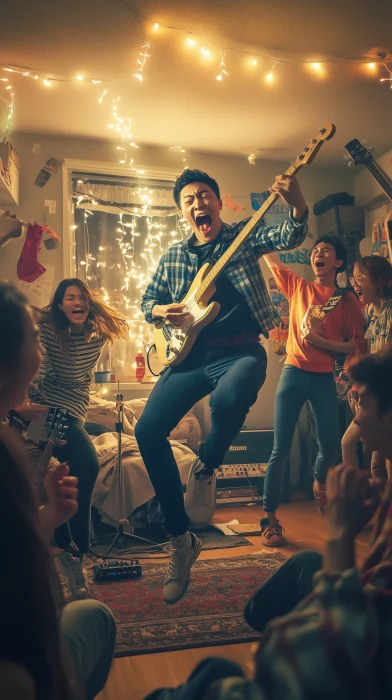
{"x":39,"y":293}
{"x":278,"y":336}
{"x":380,"y":240}
{"x":278,"y":212}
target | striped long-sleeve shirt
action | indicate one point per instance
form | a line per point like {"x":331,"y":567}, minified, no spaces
{"x":178,"y":267}
{"x":64,"y":382}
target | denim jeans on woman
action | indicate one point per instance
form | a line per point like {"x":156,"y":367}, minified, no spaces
{"x":295,"y":387}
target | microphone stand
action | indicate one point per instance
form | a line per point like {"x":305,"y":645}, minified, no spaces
{"x":120,"y":535}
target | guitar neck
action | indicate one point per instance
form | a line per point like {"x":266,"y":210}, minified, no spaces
{"x":389,"y":238}
{"x":240,"y":239}
{"x":43,"y":464}
{"x":381,"y":177}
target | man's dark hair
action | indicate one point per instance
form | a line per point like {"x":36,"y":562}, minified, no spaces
{"x":375,"y":373}
{"x":340,"y":250}
{"x":189,"y":176}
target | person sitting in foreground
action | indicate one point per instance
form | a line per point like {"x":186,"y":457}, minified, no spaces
{"x":338,"y":641}
{"x":37,"y":642}
{"x":293,"y":581}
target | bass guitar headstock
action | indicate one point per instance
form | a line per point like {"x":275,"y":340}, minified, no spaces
{"x":310,"y":151}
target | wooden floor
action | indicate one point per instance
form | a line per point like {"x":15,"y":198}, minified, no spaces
{"x":132,"y":678}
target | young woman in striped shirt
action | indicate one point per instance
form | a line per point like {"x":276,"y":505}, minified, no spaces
{"x":74,"y":328}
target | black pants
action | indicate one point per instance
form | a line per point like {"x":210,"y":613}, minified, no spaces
{"x":206,"y":672}
{"x":79,"y":452}
{"x":233,"y":376}
{"x":287,"y":587}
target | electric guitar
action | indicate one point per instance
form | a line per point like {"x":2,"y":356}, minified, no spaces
{"x":362,"y":156}
{"x":173,"y":343}
{"x":54,"y":425}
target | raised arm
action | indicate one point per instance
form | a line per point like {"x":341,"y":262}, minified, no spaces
{"x":292,"y":232}
{"x":273,"y":261}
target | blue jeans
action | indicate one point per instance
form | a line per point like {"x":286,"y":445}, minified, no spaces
{"x":233,"y":377}
{"x":295,"y":387}
{"x":281,"y":593}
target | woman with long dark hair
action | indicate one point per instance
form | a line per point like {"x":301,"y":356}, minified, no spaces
{"x":40,"y":648}
{"x":74,"y":327}
{"x":372,"y":282}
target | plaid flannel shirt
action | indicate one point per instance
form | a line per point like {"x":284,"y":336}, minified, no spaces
{"x":337,"y":643}
{"x":177,"y":268}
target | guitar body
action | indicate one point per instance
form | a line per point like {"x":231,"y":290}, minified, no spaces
{"x":174,"y":343}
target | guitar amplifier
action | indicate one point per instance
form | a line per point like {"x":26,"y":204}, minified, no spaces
{"x":240,"y":479}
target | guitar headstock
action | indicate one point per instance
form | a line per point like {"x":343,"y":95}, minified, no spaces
{"x":15,"y":420}
{"x":310,"y":151}
{"x":358,"y":153}
{"x":56,"y":425}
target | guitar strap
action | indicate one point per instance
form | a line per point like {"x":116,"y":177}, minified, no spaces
{"x":333,"y":301}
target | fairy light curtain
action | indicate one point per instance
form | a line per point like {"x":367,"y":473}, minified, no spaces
{"x":121,"y":230}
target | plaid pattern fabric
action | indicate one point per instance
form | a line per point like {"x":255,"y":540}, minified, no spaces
{"x":177,"y":268}
{"x":336,"y":643}
{"x":379,"y":328}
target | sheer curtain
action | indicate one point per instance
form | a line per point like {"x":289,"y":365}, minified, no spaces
{"x":121,"y":231}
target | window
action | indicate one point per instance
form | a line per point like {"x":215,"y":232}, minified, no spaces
{"x":121,"y":228}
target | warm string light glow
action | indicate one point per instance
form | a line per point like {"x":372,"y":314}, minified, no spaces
{"x":10,"y":111}
{"x":182,"y":153}
{"x":389,"y":78}
{"x":134,"y":270}
{"x":47,"y":78}
{"x":144,"y":55}
{"x":222,"y":67}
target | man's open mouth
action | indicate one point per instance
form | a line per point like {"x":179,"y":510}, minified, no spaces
{"x":203,"y":222}
{"x":319,"y":263}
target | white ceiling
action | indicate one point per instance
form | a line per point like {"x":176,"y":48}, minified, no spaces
{"x":179,"y":101}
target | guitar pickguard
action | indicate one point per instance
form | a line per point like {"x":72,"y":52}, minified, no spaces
{"x":176,"y":337}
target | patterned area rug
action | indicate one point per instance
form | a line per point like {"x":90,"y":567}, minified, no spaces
{"x":211,"y":613}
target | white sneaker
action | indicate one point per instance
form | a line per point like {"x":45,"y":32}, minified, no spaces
{"x":185,"y":550}
{"x":72,"y":569}
{"x":200,"y":496}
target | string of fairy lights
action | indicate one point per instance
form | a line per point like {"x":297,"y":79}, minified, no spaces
{"x":210,"y":51}
{"x":136,"y":270}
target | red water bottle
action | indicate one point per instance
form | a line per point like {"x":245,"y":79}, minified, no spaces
{"x":140,"y":367}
